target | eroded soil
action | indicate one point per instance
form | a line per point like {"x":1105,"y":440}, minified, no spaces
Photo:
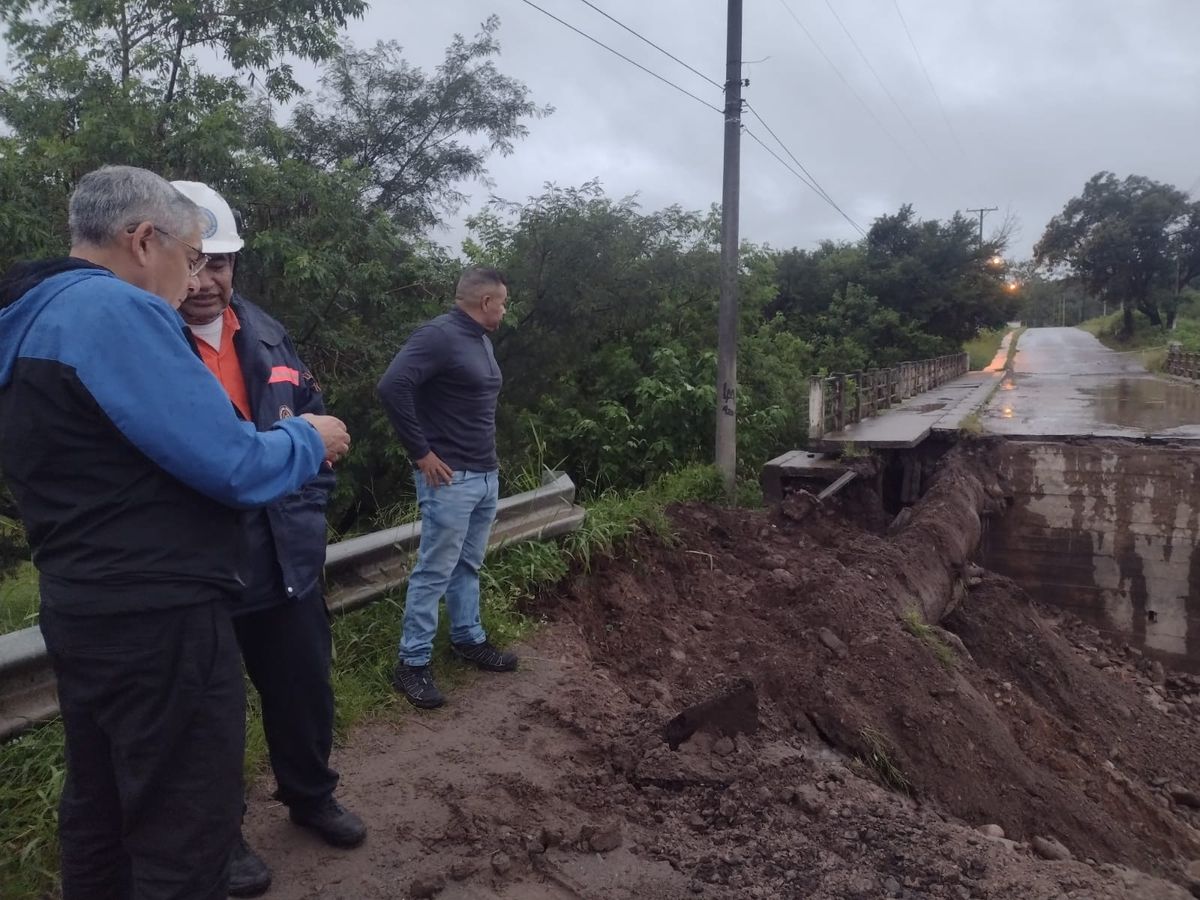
{"x":828,"y":743}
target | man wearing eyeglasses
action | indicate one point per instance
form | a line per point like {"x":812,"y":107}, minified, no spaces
{"x":130,"y":467}
{"x":281,"y":621}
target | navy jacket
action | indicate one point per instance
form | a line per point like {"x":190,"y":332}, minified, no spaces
{"x":290,"y":534}
{"x":124,"y":455}
{"x":440,"y":393}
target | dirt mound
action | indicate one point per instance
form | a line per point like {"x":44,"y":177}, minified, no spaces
{"x":995,"y":719}
{"x":759,"y":709}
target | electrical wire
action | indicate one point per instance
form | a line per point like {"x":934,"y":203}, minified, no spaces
{"x":600,"y":43}
{"x":928,"y":80}
{"x":646,"y":40}
{"x":857,"y":96}
{"x":882,"y":84}
{"x":806,"y":178}
{"x":810,"y":185}
{"x":779,"y":141}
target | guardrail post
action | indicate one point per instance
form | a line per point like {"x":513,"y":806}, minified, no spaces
{"x":858,"y":395}
{"x":816,"y":407}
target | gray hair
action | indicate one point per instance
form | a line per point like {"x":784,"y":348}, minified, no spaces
{"x":475,"y":278}
{"x":112,"y":198}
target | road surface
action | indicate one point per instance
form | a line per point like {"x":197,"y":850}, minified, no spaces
{"x":1066,"y":383}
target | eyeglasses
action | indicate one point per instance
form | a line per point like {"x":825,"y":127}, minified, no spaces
{"x":195,"y":265}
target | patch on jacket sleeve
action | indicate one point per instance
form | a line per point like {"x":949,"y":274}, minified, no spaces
{"x":284,"y":374}
{"x":310,"y":381}
{"x":285,"y":412}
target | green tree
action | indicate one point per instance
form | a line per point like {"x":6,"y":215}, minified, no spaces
{"x":146,"y":45}
{"x":609,"y":346}
{"x":105,"y":81}
{"x":408,"y":132}
{"x":1122,"y":239}
{"x":936,"y":275}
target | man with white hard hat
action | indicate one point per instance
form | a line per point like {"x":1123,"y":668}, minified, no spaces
{"x":281,"y":623}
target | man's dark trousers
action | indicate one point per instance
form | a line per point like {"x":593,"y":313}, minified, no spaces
{"x":287,"y":649}
{"x":153,"y":704}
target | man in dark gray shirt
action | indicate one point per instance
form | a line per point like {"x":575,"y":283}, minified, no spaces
{"x":440,"y":393}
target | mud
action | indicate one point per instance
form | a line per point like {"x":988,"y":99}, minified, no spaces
{"x":757,"y":709}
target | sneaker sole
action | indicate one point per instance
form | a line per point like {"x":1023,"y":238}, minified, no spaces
{"x":421,"y":704}
{"x":347,"y":844}
{"x":481,"y":666}
{"x":257,"y":889}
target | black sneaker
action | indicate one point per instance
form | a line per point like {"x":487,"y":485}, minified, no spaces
{"x":335,"y":824}
{"x":484,"y":656}
{"x":416,"y":684}
{"x":248,"y":874}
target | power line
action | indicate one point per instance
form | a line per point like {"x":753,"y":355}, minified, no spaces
{"x":600,"y":43}
{"x":646,"y":40}
{"x":928,"y":80}
{"x":815,"y":185}
{"x":808,"y":181}
{"x":882,"y":84}
{"x":863,"y":103}
{"x":818,"y":191}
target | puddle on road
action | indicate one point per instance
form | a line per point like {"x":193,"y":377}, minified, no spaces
{"x":1147,"y":404}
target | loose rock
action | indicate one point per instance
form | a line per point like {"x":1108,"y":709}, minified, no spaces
{"x":834,"y":643}
{"x":501,"y":863}
{"x":1185,"y":797}
{"x":423,"y":888}
{"x":1049,"y":848}
{"x":601,"y":838}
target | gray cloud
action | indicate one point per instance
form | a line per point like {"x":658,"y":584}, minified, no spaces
{"x":1040,"y":93}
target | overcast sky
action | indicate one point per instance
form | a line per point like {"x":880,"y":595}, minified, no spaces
{"x":1035,"y":97}
{"x":1038,"y":95}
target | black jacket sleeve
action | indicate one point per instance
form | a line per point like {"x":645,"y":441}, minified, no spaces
{"x":422,"y":357}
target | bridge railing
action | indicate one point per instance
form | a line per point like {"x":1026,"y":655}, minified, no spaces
{"x":1183,"y":363}
{"x":358,"y":571}
{"x":835,"y":401}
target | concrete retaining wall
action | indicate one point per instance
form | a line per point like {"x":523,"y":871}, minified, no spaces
{"x":1108,"y":530}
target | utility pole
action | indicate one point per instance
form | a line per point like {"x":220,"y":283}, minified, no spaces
{"x":982,"y":211}
{"x":727,"y":316}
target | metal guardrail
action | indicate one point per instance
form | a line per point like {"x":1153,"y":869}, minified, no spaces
{"x":357,"y":572}
{"x":835,"y":401}
{"x":1182,"y":363}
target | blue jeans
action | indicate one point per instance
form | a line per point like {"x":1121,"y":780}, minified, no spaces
{"x":456,"y":520}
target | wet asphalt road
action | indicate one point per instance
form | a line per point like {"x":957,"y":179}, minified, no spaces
{"x":1065,"y":382}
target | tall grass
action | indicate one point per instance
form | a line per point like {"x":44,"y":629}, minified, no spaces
{"x":983,"y":348}
{"x":19,"y":599}
{"x":1148,"y":341}
{"x":365,"y":642}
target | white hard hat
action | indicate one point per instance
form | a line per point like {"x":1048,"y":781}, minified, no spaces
{"x":220,"y":232}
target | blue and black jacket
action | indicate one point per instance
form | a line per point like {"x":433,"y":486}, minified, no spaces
{"x":124,"y":455}
{"x":286,"y":541}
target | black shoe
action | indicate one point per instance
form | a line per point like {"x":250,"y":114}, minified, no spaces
{"x":416,"y":684}
{"x":484,"y":656}
{"x":248,"y":874}
{"x":336,"y":825}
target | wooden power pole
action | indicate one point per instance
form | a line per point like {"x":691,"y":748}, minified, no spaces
{"x":982,"y":211}
{"x":727,"y":316}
